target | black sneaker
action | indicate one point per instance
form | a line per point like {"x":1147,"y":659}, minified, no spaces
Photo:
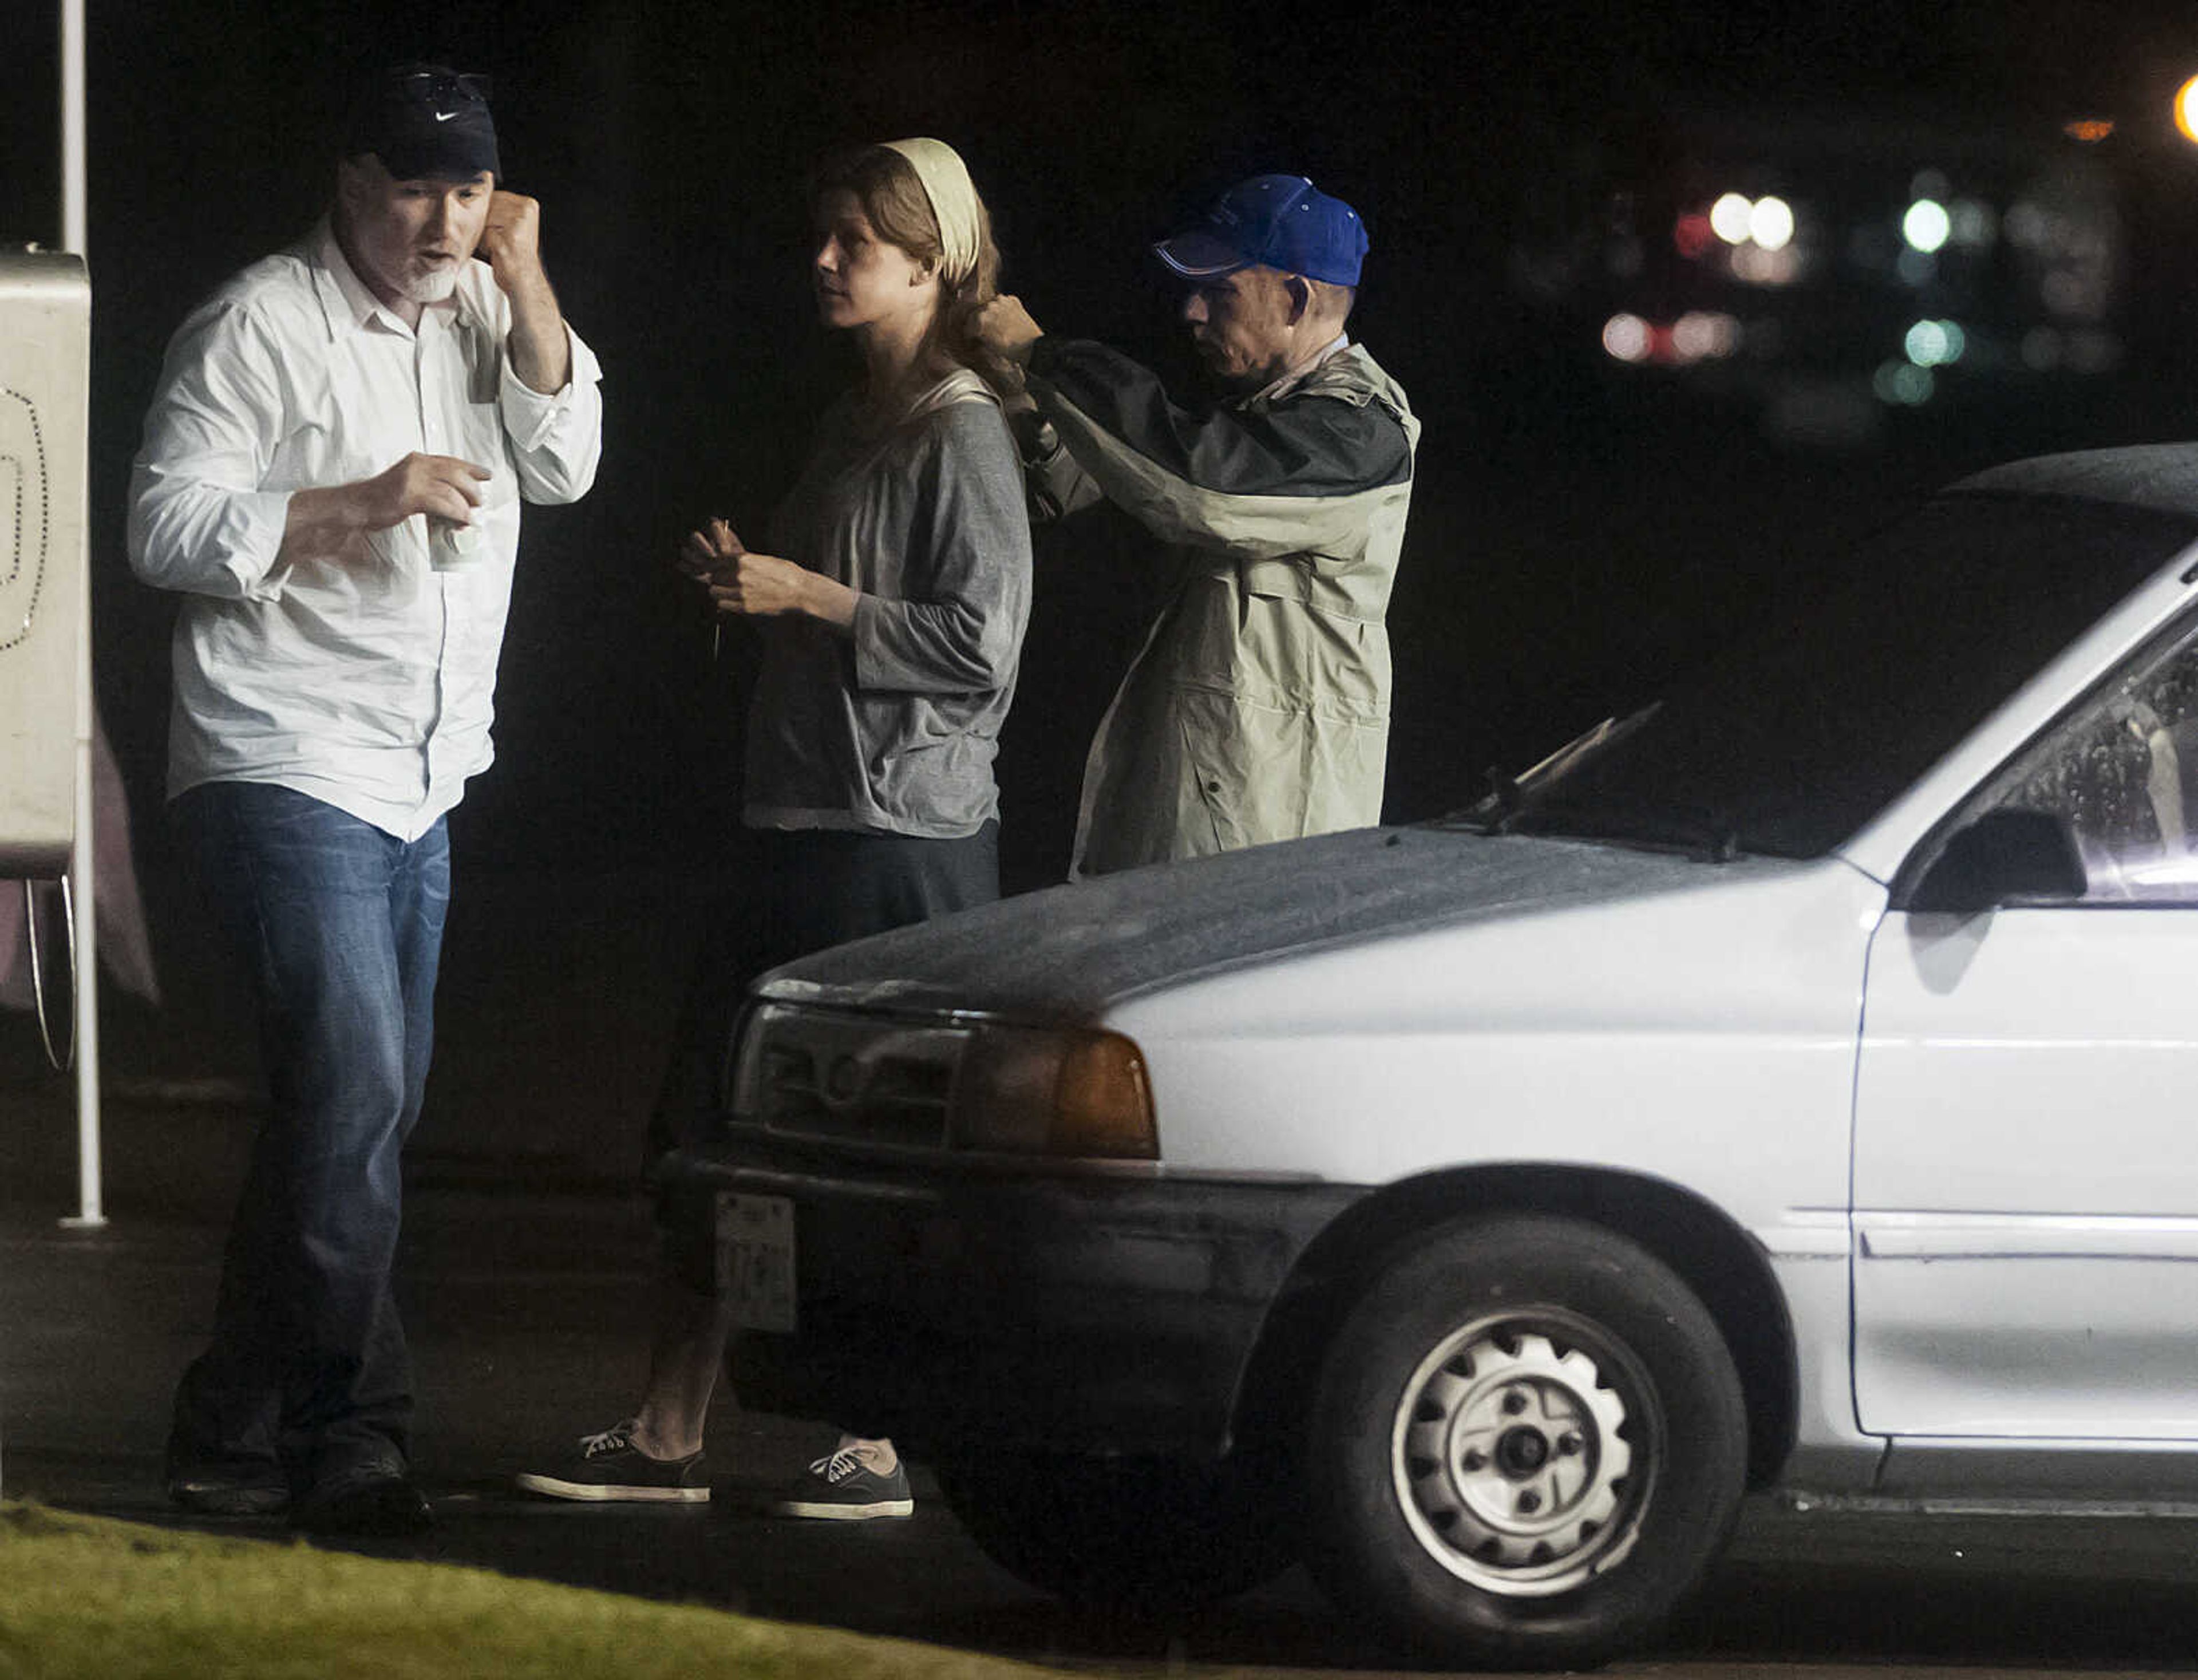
{"x":839,"y":1487}
{"x":215,"y":1494}
{"x":371,"y":1505}
{"x":610,"y":1467}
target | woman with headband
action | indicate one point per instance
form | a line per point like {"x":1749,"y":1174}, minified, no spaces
{"x":892,"y":596}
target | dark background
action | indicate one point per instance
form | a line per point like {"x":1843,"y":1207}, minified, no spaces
{"x":1579,"y":531}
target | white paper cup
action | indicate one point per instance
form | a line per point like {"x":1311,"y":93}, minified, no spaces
{"x":453,"y":547}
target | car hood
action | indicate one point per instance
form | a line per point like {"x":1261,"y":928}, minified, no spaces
{"x":1070,"y":952}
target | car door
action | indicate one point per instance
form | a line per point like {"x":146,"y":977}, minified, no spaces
{"x":2026,"y":1167}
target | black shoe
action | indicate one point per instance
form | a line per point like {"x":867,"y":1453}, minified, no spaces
{"x":839,"y":1487}
{"x":610,"y":1467}
{"x":214,"y":1495}
{"x":374,"y":1505}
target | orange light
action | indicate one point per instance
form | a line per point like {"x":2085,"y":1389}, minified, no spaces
{"x":1103,"y":1103}
{"x":2186,"y":117}
{"x":2092,"y":129}
{"x":1040,"y":1090}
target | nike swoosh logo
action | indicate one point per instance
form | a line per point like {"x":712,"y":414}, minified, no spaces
{"x":445,"y":116}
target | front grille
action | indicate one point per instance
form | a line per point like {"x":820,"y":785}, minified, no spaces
{"x":842,"y":1075}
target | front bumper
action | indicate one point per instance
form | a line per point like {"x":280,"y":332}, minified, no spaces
{"x":952,"y":1301}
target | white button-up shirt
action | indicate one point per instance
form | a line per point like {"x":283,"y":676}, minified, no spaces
{"x":361,"y":676}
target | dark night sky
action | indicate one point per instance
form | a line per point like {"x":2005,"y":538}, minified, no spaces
{"x":667,"y":142}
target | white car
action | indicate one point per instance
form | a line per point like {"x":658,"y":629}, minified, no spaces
{"x":1789,"y":1086}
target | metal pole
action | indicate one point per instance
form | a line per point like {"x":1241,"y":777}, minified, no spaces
{"x":72,"y":171}
{"x":81,"y":868}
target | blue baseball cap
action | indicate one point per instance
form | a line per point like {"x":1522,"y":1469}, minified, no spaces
{"x":1276,"y":221}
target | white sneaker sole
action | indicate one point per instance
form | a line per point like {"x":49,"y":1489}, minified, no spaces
{"x":613,"y":1494}
{"x":831,"y":1512}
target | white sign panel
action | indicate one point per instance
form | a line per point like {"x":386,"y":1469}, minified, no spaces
{"x":45,"y":356}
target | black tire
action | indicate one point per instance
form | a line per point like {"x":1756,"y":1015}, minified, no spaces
{"x":1528,"y":1443}
{"x":1130,"y":1536}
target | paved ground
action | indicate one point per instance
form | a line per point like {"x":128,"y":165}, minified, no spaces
{"x":525,"y":1277}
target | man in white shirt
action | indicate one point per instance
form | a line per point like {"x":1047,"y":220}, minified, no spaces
{"x":331,"y":477}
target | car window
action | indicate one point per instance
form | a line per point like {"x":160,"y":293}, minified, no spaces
{"x":2123,"y":771}
{"x":1805,"y":727}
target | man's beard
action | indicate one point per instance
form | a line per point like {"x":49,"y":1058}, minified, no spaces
{"x":432,"y":287}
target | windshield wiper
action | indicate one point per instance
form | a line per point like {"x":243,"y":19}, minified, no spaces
{"x":1700,"y":833}
{"x":1492,"y":813}
{"x":1508,"y":796}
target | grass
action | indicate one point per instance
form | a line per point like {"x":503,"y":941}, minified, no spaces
{"x":89,"y":1596}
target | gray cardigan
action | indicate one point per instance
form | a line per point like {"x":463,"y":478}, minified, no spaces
{"x":895,"y":728}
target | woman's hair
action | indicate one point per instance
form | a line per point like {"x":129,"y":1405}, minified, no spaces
{"x":892,"y":196}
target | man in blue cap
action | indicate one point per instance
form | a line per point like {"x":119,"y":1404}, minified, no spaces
{"x":1259,"y":707}
{"x":330,"y":480}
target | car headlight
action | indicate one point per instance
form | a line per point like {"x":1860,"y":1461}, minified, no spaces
{"x":1054,"y":1091}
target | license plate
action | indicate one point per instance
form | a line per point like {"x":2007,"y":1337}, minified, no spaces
{"x":755,"y":1260}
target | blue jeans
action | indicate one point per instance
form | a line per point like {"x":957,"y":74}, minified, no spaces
{"x":339,"y":926}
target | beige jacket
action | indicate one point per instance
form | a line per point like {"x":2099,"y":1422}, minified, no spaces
{"x":1258,"y":709}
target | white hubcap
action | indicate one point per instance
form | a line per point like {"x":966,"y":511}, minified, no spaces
{"x":1514,"y":1460}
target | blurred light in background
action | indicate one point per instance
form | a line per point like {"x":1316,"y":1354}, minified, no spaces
{"x":1626,"y":337}
{"x":1759,"y":267}
{"x":1902,"y":384}
{"x":1729,"y":218}
{"x":2091,"y":351}
{"x":1927,"y":225}
{"x":1972,"y":223}
{"x":1759,"y":232}
{"x":2078,"y":350}
{"x":1704,"y":335}
{"x":2066,"y":291}
{"x":2186,"y":110}
{"x":2090,"y":130}
{"x":2070,"y":251}
{"x":1771,"y":223}
{"x":1933,"y":344}
{"x":1737,"y":219}
{"x":1699,"y":336}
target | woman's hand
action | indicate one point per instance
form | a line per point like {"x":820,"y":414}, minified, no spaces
{"x":707,"y":552}
{"x":762,"y":587}
{"x":746,"y":584}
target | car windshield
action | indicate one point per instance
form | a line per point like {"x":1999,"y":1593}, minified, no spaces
{"x":1791,"y":740}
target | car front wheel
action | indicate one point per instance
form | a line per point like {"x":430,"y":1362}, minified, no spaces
{"x":1528,"y":1441}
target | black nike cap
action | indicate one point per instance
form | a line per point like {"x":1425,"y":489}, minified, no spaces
{"x":425,"y":122}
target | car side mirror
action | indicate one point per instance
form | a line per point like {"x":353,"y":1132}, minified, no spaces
{"x":2004,"y":855}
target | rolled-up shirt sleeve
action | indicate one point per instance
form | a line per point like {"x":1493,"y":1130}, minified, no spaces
{"x":557,"y":439}
{"x":199,"y":520}
{"x":969,"y":572}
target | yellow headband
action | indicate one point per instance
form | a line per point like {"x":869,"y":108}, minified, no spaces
{"x":953,"y":198}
